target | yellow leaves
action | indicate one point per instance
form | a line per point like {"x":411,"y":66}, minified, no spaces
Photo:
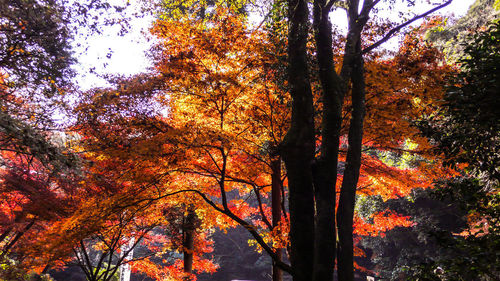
{"x":13,"y":50}
{"x":213,"y":82}
{"x":277,"y":237}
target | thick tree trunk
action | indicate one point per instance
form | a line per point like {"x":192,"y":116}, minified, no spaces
{"x":312,"y":183}
{"x":345,"y":213}
{"x":325,"y":170}
{"x":276,"y":187}
{"x":189,"y":228}
{"x":298,"y":146}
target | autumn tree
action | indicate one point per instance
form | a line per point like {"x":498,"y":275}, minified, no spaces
{"x":39,"y":175}
{"x":35,"y":76}
{"x":144,"y":236}
{"x":132,"y":153}
{"x":223,"y":116}
{"x":311,"y":181}
{"x":129,"y":124}
{"x":220,"y":92}
{"x":188,"y":100}
{"x":35,"y":170}
{"x":116,"y":219}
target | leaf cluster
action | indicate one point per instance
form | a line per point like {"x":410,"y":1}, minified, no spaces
{"x":467,"y":130}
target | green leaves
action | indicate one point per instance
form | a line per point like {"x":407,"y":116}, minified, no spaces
{"x":471,"y":118}
{"x":467,"y":132}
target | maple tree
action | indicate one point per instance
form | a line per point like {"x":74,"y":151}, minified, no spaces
{"x":111,"y":215}
{"x":144,"y":237}
{"x":457,"y":229}
{"x":39,"y":175}
{"x":37,"y":170}
{"x":138,"y":150}
{"x":195,"y":111}
{"x":221,"y":119}
{"x":311,"y":193}
{"x":211,"y":126}
{"x":141,"y":136}
{"x":34,"y":196}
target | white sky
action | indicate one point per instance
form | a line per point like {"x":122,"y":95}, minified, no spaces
{"x":129,"y":51}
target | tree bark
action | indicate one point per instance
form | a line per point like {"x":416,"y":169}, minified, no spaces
{"x":312,"y":181}
{"x":345,"y":213}
{"x":189,"y":228}
{"x":299,"y":144}
{"x":325,"y":169}
{"x":276,"y":187}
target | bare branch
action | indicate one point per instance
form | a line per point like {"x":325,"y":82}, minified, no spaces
{"x":367,"y":7}
{"x":261,"y":209}
{"x":247,"y":226}
{"x":403,"y":25}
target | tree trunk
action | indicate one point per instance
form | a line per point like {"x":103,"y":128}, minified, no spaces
{"x":299,"y":144}
{"x":345,"y":213}
{"x":189,"y":228}
{"x":276,"y":187}
{"x":325,"y":170}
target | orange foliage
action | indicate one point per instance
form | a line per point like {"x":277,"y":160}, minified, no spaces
{"x":214,"y":91}
{"x":202,"y":131}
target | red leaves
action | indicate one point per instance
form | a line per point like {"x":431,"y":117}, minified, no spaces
{"x":381,"y":222}
{"x":202,"y":132}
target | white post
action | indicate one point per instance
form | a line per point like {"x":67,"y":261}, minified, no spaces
{"x":125,"y":268}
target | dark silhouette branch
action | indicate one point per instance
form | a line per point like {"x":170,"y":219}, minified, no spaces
{"x":403,"y":25}
{"x":252,"y":229}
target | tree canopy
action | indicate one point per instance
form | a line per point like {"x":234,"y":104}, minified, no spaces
{"x":325,"y":147}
